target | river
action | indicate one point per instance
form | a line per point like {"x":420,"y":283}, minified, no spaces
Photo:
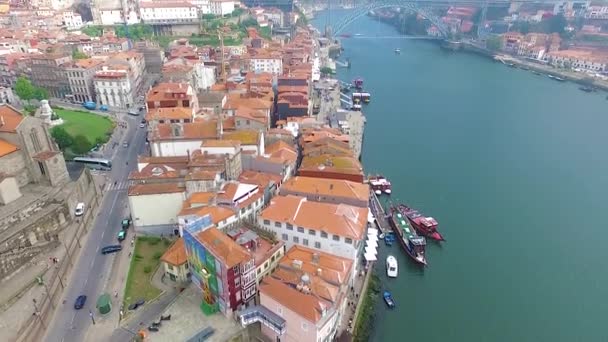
{"x":515,"y":169}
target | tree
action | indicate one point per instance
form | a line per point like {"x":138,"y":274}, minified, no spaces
{"x":494,"y":43}
{"x":24,"y":89}
{"x":557,"y":24}
{"x":79,"y":55}
{"x":62,"y":137}
{"x":81,"y":144}
{"x":326,"y":71}
{"x":40,"y":93}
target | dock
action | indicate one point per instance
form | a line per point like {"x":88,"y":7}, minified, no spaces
{"x":379,"y":213}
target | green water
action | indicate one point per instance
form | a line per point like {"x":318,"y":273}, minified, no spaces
{"x":514,"y":168}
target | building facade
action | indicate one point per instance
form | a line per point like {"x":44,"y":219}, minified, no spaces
{"x":221,"y":7}
{"x":48,"y":73}
{"x":80,"y":75}
{"x":171,"y":12}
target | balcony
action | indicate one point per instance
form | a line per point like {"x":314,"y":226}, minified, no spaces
{"x":260,"y":313}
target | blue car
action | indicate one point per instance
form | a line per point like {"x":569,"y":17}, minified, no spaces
{"x":103,"y":108}
{"x":79,"y":304}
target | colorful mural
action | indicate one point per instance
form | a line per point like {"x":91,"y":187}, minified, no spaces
{"x":202,"y":264}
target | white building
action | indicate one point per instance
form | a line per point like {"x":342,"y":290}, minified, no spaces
{"x":221,"y":7}
{"x":72,"y":20}
{"x":146,"y":199}
{"x":110,"y":16}
{"x":156,"y":12}
{"x":202,"y":5}
{"x":113,"y":88}
{"x":205,"y":76}
{"x":585,"y":60}
{"x":336,"y":229}
{"x":6,"y":96}
{"x":273,"y":65}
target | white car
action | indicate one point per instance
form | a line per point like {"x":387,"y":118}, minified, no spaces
{"x":142,"y":125}
{"x":79,"y":209}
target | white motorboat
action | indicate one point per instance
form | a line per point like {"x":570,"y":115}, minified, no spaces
{"x":392,"y":267}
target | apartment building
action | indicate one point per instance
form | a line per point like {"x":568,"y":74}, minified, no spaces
{"x":221,"y":7}
{"x":81,"y":74}
{"x":48,"y":72}
{"x":114,"y":88}
{"x":72,"y":20}
{"x":169,"y":12}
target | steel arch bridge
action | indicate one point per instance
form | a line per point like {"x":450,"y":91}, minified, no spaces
{"x":362,"y":10}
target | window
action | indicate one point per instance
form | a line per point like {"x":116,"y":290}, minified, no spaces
{"x":317,"y":245}
{"x":285,"y":237}
{"x":235,"y":269}
{"x":186,"y":265}
{"x":278,"y":224}
{"x":300,"y":230}
{"x":237,"y":282}
{"x":304,"y":326}
{"x":336,"y":238}
{"x":312,"y":232}
{"x":170,"y":267}
{"x":305,"y":241}
{"x":289,"y":226}
{"x":323,"y":234}
{"x":265,"y":265}
{"x":267,"y":222}
{"x":272,"y":259}
{"x":296,"y":239}
{"x":348,"y":240}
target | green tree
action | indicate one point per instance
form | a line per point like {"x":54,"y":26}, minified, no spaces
{"x":326,"y":71}
{"x":79,"y":55}
{"x":62,"y":137}
{"x":93,"y":31}
{"x":40,"y":93}
{"x":494,"y":43}
{"x":24,"y":89}
{"x":81,"y":144}
{"x":557,"y":24}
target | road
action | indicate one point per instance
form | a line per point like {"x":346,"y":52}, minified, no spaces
{"x":92,"y":270}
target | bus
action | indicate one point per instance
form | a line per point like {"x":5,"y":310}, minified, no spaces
{"x":94,"y":163}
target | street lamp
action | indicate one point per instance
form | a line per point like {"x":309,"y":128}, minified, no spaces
{"x":91,"y":315}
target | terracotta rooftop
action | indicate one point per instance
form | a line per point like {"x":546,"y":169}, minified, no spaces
{"x":218,"y":213}
{"x":245,"y":137}
{"x":326,"y":162}
{"x":176,"y":254}
{"x":168,"y":91}
{"x":192,"y":130}
{"x":251,"y":114}
{"x":175,"y":113}
{"x":327,"y":187}
{"x":198,"y":199}
{"x":327,"y":275}
{"x":221,"y":143}
{"x":223,"y":247}
{"x":10,"y":118}
{"x":262,"y":179}
{"x":7,"y":148}
{"x":155,"y":189}
{"x":343,"y":220}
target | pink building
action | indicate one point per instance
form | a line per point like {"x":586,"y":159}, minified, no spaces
{"x":304,"y":299}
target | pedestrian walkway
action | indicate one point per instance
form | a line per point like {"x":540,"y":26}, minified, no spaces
{"x":118,"y":186}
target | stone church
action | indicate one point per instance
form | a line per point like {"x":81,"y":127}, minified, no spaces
{"x":28,"y":153}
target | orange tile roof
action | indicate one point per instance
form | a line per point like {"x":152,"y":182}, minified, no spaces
{"x":205,"y":175}
{"x":245,"y":136}
{"x":176,"y":253}
{"x":166,"y":91}
{"x":234,"y":101}
{"x":196,"y":198}
{"x":327,"y":187}
{"x":342,"y":164}
{"x":327,"y":275}
{"x":223,"y":247}
{"x":218,"y":214}
{"x":221,"y":143}
{"x":192,"y":130}
{"x":251,"y":114}
{"x":262,"y":179}
{"x":343,"y":220}
{"x":175,"y":113}
{"x":10,"y":118}
{"x":155,"y":188}
{"x":7,"y":148}
{"x":278,"y":146}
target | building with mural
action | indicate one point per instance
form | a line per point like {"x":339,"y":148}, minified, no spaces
{"x":223,"y":270}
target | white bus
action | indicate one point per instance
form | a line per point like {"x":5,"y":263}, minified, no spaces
{"x":94,"y":163}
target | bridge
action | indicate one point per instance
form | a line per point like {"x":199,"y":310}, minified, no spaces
{"x":425,"y":9}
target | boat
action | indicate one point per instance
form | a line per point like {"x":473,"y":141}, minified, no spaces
{"x":398,"y":51}
{"x":511,"y":65}
{"x":556,"y":78}
{"x":380,"y":185}
{"x":388,"y":299}
{"x":358,"y":83}
{"x":424,"y":225}
{"x":381,"y":236}
{"x":586,"y":89}
{"x":392,"y":268}
{"x":389,"y":239}
{"x":358,"y":34}
{"x":413,"y":244}
{"x":345,"y":35}
{"x":535,"y":72}
{"x":366,"y":97}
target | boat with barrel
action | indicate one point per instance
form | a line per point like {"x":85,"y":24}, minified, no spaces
{"x":380,"y":184}
{"x":413,"y":244}
{"x":424,"y":225}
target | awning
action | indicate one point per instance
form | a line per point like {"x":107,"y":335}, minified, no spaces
{"x":372,"y":237}
{"x":370,"y":257}
{"x":371,"y":243}
{"x":370,"y":250}
{"x":372,"y":231}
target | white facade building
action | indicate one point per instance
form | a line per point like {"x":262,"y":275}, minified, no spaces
{"x":72,"y":20}
{"x":221,"y":7}
{"x":154,"y":12}
{"x":336,"y":229}
{"x":146,"y":199}
{"x":202,"y":5}
{"x":205,"y":76}
{"x":110,"y":16}
{"x":113,"y":88}
{"x":273,"y":65}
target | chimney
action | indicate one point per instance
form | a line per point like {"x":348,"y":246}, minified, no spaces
{"x":1,"y":121}
{"x":315,"y":258}
{"x":319,"y":271}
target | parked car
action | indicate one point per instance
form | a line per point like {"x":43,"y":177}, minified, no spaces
{"x":111,"y":249}
{"x":125,"y":224}
{"x":122,"y":234}
{"x":79,"y":303}
{"x":103,"y":108}
{"x":125,"y":144}
{"x":79,"y":211}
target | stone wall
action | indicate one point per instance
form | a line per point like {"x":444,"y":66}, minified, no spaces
{"x":13,"y":164}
